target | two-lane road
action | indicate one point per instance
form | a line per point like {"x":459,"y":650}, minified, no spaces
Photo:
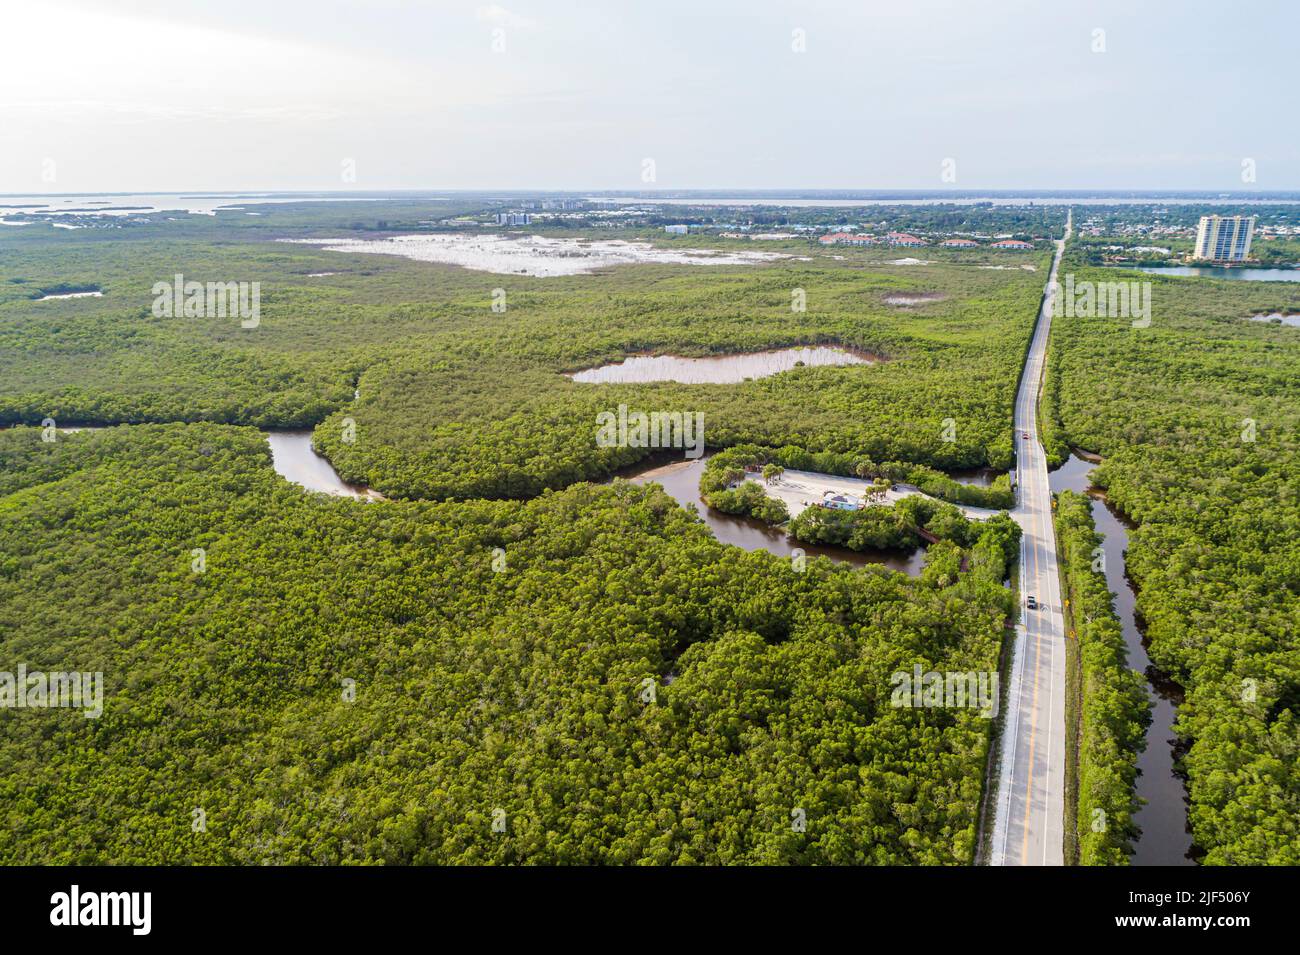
{"x":1029,"y":818}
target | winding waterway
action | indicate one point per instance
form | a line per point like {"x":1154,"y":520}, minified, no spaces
{"x":681,"y":479}
{"x":1164,"y":838}
{"x":296,"y":460}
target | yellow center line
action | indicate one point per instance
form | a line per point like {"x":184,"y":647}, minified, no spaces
{"x":1033,"y":528}
{"x":1033,"y":732}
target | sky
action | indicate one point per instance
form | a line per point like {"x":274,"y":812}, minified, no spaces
{"x":230,"y":95}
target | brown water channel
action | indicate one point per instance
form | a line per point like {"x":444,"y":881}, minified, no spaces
{"x":296,"y":460}
{"x":681,"y":479}
{"x":1164,"y":838}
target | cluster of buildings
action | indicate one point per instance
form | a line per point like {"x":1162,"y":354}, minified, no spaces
{"x":552,"y":204}
{"x":866,"y":238}
{"x":844,"y":501}
{"x":841,"y":502}
{"x":1276,"y":231}
{"x":905,"y":239}
{"x":847,"y":238}
{"x":1219,"y":238}
{"x":525,"y":217}
{"x":682,"y":228}
{"x":1103,"y":225}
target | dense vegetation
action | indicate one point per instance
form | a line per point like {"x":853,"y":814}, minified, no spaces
{"x":1276,"y":253}
{"x":1113,"y":708}
{"x":459,"y":401}
{"x":986,"y":547}
{"x":724,"y":488}
{"x":1025,"y":222}
{"x":896,"y":526}
{"x":522,"y":690}
{"x":500,"y":652}
{"x":1056,"y":447}
{"x":499,"y":649}
{"x":479,"y":439}
{"x":1197,"y":419}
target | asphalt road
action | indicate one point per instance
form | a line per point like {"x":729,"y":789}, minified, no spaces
{"x":1029,"y":818}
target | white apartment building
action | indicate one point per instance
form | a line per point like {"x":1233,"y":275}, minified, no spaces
{"x":1224,"y":238}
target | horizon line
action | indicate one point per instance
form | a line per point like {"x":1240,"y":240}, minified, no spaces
{"x":729,"y":191}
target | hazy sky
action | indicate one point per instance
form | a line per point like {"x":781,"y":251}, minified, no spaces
{"x":121,"y":95}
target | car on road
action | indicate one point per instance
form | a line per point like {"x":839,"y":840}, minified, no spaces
{"x":1025,"y":435}
{"x":1031,"y":603}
